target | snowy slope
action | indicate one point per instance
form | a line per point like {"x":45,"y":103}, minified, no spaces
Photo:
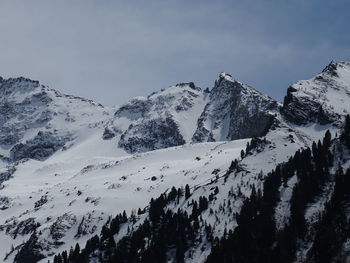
{"x":95,"y":187}
{"x":233,"y":186}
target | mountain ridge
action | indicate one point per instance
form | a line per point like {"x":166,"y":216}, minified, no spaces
{"x":88,"y":179}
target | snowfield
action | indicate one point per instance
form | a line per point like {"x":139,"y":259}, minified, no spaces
{"x":82,"y":183}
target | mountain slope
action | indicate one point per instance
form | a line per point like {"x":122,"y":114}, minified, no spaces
{"x":317,"y":225}
{"x":66,"y":192}
{"x":246,"y":227}
{"x":225,"y":196}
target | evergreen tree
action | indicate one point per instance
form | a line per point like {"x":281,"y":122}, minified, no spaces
{"x":187,"y":191}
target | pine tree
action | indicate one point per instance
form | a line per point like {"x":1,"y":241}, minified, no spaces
{"x":187,"y":191}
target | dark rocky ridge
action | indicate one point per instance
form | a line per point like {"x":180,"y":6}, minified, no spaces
{"x":43,"y":145}
{"x":157,"y":133}
{"x":235,"y":111}
{"x":303,"y":110}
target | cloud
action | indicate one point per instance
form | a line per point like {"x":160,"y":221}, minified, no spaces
{"x":113,"y":50}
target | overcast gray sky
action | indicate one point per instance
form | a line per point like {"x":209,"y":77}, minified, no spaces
{"x":111,"y":51}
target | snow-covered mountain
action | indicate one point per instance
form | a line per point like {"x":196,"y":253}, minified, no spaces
{"x":323,"y":99}
{"x":184,"y":113}
{"x":234,"y":111}
{"x":69,"y":165}
{"x":164,"y":119}
{"x":36,"y":121}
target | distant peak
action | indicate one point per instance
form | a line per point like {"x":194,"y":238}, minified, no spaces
{"x":21,"y":79}
{"x":229,"y":80}
{"x":27,"y":79}
{"x":333,"y":66}
{"x":224,"y":75}
{"x":186,"y":84}
{"x":18,"y":84}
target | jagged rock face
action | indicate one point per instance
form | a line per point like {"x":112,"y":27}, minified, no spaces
{"x":151,"y":135}
{"x":61,"y":225}
{"x":36,"y":121}
{"x":301,"y":110}
{"x":43,"y":145}
{"x":157,"y":121}
{"x":5,"y":202}
{"x":323,"y":99}
{"x":234,"y":111}
{"x":184,"y":113}
{"x":18,"y":111}
{"x":24,"y":227}
{"x":6,"y":173}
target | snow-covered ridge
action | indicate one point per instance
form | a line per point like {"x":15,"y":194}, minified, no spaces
{"x":38,"y":119}
{"x":323,"y":98}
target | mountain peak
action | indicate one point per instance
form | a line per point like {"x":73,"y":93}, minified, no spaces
{"x":36,"y":121}
{"x":225,"y":77}
{"x":19,"y":84}
{"x":322,"y":98}
{"x":226,"y":83}
{"x":334,"y":66}
{"x":187,"y":84}
{"x":19,"y":80}
{"x":234,"y":111}
{"x":331,"y":68}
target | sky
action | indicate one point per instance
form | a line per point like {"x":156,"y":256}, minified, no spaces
{"x":111,"y":51}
